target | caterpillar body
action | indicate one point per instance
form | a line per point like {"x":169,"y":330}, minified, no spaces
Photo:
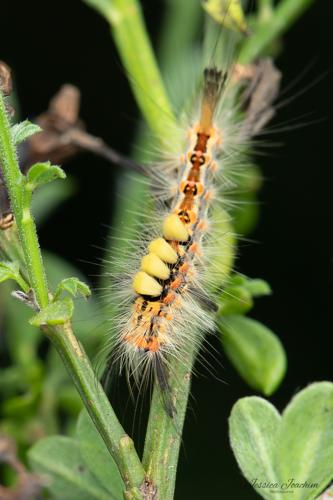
{"x":170,"y":304}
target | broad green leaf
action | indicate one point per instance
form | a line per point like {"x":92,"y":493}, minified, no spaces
{"x":56,"y":313}
{"x":21,"y":131}
{"x":11,"y":271}
{"x":235,"y":300}
{"x":229,"y":13}
{"x":290,"y":454}
{"x":42,"y":173}
{"x":255,"y":351}
{"x":96,"y":456}
{"x":253,"y":427}
{"x":59,"y":462}
{"x":255,"y":286}
{"x":305,"y":449}
{"x":74,"y":287}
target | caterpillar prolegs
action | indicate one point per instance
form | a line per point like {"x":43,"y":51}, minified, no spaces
{"x":171,"y":304}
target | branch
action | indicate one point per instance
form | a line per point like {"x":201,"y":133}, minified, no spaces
{"x":164,"y":434}
{"x":26,"y":226}
{"x":130,"y":35}
{"x":118,"y":443}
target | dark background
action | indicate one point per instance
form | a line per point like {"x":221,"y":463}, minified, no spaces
{"x":49,"y":43}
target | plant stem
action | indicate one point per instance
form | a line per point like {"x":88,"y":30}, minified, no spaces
{"x":97,"y":404}
{"x":182,"y":19}
{"x":164,"y":434}
{"x":129,"y":33}
{"x":284,"y":15}
{"x":24,"y":220}
{"x":118,"y":443}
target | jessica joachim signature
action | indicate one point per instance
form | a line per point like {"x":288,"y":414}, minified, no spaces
{"x":290,"y":484}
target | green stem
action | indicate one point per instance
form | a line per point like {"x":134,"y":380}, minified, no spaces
{"x":182,"y":19}
{"x":129,"y":33}
{"x":285,"y":14}
{"x":97,"y":404}
{"x":164,"y":434}
{"x":24,"y":220}
{"x":62,"y":337}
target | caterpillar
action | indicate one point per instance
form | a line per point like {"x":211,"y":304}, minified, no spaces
{"x":170,"y":299}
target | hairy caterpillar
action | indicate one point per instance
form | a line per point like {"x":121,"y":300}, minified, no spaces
{"x":169,"y":302}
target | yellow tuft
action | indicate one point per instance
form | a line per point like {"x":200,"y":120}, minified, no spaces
{"x":163,"y":250}
{"x":146,"y":285}
{"x":155,"y":267}
{"x":174,"y":229}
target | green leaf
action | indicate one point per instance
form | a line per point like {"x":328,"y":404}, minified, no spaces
{"x":42,"y":173}
{"x":245,"y":214}
{"x":292,"y":454}
{"x":255,"y":351}
{"x":96,"y":456}
{"x":235,"y":300}
{"x":237,"y":297}
{"x":253,"y":427}
{"x":8,"y":271}
{"x":74,"y":287}
{"x":11,"y":271}
{"x":305,"y":450}
{"x":21,"y":131}
{"x":58,"y":460}
{"x":56,"y":313}
{"x":258,"y":287}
